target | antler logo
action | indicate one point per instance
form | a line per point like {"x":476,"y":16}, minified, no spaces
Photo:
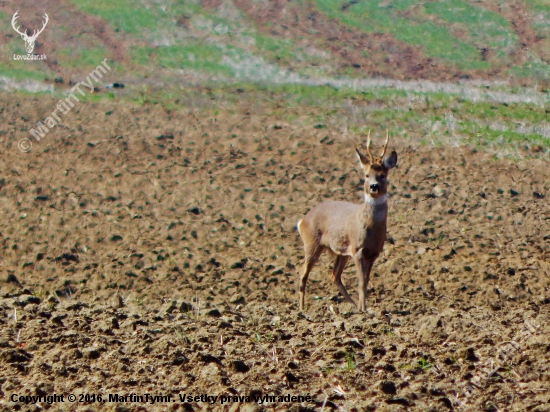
{"x":29,"y":40}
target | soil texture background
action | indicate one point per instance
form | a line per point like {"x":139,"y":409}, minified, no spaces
{"x":154,"y":251}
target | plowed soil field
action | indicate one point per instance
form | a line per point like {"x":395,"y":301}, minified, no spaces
{"x":147,"y":251}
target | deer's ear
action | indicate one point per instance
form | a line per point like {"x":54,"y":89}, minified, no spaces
{"x":390,"y":161}
{"x":362,"y":158}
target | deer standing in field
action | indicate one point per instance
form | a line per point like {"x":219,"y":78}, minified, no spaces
{"x":349,"y":230}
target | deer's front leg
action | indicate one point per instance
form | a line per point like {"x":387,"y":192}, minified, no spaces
{"x":364,"y":267}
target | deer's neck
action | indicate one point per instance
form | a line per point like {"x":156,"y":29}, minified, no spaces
{"x":378,"y":201}
{"x":376,"y":208}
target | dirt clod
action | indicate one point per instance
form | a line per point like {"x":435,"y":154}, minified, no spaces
{"x":388,"y":387}
{"x":240,"y":366}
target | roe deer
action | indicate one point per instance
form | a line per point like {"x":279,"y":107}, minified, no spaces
{"x":350,"y":230}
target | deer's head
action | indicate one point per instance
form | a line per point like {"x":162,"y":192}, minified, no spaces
{"x":29,"y":40}
{"x":376,"y":169}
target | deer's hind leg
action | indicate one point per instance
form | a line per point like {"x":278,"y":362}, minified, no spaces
{"x":312,"y":253}
{"x":339,"y":266}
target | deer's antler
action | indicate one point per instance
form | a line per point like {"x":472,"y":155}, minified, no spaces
{"x":25,"y":35}
{"x":386,"y":144}
{"x":371,"y":160}
{"x":35,"y":34}
{"x":13,"y":19}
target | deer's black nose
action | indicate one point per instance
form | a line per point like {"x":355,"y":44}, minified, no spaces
{"x":375,"y":187}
